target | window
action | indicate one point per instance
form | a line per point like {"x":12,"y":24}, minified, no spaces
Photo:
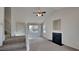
{"x":33,"y":28}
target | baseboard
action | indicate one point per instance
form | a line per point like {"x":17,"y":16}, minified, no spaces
{"x":71,"y":47}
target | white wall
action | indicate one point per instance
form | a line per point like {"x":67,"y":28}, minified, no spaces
{"x":2,"y":37}
{"x":13,"y":24}
{"x":17,"y":29}
{"x":69,"y":26}
{"x":20,"y":29}
{"x":48,"y":28}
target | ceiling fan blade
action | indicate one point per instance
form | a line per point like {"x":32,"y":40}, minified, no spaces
{"x":44,"y":12}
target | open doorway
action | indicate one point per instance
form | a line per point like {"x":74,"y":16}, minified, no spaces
{"x":34,"y":31}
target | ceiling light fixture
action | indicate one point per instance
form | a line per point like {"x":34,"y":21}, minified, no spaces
{"x":39,"y":12}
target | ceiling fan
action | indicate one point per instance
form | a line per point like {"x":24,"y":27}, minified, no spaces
{"x":39,"y":12}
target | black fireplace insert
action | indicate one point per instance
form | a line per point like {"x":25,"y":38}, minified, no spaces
{"x":57,"y":38}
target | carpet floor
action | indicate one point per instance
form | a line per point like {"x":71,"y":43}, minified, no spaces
{"x":38,"y":44}
{"x":45,"y":45}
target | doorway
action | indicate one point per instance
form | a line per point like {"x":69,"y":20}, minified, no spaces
{"x":34,"y":31}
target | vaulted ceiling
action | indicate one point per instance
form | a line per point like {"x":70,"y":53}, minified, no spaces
{"x":25,"y":14}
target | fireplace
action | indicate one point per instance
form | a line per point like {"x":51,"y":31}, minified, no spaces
{"x":57,"y":38}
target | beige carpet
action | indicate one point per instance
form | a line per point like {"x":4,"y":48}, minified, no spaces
{"x":14,"y":44}
{"x":38,"y":44}
{"x":45,"y":45}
